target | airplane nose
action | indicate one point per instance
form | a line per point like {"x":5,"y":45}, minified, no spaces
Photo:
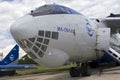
{"x":22,"y":27}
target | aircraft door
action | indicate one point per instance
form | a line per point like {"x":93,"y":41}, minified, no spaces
{"x":103,"y":38}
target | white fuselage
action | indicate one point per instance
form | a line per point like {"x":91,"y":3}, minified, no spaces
{"x":74,"y":38}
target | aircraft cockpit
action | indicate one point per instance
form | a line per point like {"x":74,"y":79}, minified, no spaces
{"x":52,"y":9}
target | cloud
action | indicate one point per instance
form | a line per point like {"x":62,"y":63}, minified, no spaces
{"x":94,"y":8}
{"x":101,"y":8}
{"x":9,"y":13}
{"x":6,"y":50}
{"x":11,"y":10}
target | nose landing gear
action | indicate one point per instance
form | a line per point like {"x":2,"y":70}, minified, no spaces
{"x":83,"y":70}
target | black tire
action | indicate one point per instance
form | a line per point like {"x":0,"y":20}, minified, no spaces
{"x":74,"y":72}
{"x":71,"y":71}
{"x":88,"y":71}
{"x":85,"y":70}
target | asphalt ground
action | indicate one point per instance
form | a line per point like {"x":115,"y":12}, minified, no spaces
{"x":110,"y":74}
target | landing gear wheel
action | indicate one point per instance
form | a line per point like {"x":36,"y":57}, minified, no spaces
{"x":85,"y":69}
{"x":74,"y":72}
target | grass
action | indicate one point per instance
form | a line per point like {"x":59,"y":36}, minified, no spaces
{"x":41,"y":69}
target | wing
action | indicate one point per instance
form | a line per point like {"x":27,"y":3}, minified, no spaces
{"x":19,"y":66}
{"x":112,"y":21}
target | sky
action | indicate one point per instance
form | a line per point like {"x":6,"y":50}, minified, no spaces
{"x":11,"y":10}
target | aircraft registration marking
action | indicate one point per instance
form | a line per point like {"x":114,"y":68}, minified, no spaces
{"x":65,"y":29}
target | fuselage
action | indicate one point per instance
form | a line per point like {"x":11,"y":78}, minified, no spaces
{"x":53,"y":40}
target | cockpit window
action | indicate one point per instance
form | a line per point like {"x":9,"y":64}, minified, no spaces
{"x":43,"y":9}
{"x":52,"y":9}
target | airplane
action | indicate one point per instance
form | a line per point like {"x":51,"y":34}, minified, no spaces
{"x":53,"y":35}
{"x":11,"y":58}
{"x":10,"y":63}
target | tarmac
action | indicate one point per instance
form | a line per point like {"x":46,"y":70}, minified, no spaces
{"x":111,"y":74}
